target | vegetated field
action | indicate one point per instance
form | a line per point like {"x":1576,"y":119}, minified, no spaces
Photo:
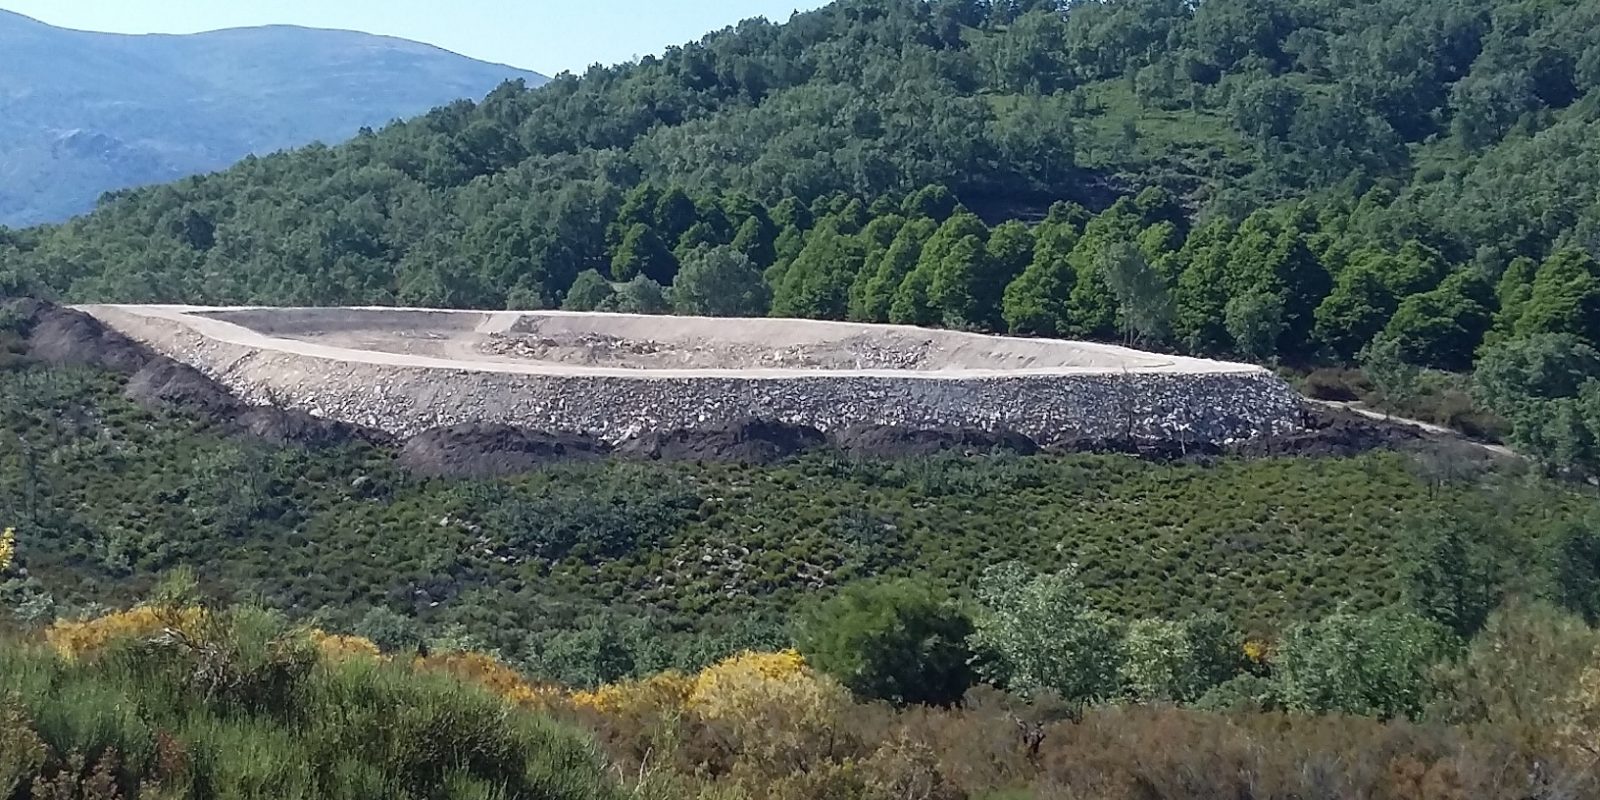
{"x":107,"y":496}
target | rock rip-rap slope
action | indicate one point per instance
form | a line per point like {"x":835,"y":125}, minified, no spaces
{"x":613,"y":375}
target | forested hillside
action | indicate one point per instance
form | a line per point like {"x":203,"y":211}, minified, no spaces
{"x":1265,"y":178}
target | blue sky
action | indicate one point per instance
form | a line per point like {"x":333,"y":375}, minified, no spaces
{"x":540,"y":35}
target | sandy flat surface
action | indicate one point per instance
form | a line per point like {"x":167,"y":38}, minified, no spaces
{"x":640,"y":346}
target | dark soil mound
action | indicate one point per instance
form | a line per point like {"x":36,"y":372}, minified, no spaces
{"x":748,"y":442}
{"x":164,"y":383}
{"x":66,"y":336}
{"x":1149,"y":449}
{"x":299,"y":428}
{"x":890,"y":442}
{"x":486,"y":451}
{"x":1332,"y":433}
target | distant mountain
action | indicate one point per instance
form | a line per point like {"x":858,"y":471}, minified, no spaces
{"x":84,"y":113}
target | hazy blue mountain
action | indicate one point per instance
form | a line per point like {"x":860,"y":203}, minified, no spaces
{"x":83,"y":113}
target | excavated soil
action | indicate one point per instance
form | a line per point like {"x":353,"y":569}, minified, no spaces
{"x":488,"y":451}
{"x":66,"y":337}
{"x":751,"y":441}
{"x":892,"y":442}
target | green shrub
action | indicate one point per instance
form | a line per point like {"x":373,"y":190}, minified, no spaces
{"x":1373,"y":664}
{"x":243,"y":707}
{"x":897,"y":641}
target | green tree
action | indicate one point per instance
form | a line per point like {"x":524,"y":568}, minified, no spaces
{"x":643,"y":253}
{"x":1178,"y":661}
{"x":1356,"y":311}
{"x":1565,"y":298}
{"x":1546,"y":386}
{"x":914,"y":302}
{"x":1576,"y":556}
{"x":1452,"y":574}
{"x":935,"y":202}
{"x":1039,"y":632}
{"x":1010,"y":251}
{"x":895,"y":641}
{"x":674,"y":214}
{"x":1255,"y":322}
{"x":1036,"y":302}
{"x":638,"y":296}
{"x":1374,"y":664}
{"x":957,"y":285}
{"x":1200,"y":297}
{"x":1442,"y":328}
{"x":1144,"y":305}
{"x":1395,"y":378}
{"x":757,"y":240}
{"x":1518,"y":673}
{"x":719,"y":282}
{"x":588,"y":293}
{"x":871,"y":296}
{"x":817,"y":284}
{"x":700,"y":234}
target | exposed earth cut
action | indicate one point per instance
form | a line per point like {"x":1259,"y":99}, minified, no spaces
{"x":614,"y":376}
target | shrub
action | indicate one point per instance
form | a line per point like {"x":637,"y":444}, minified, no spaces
{"x":895,"y":641}
{"x":237,"y":703}
{"x":1518,"y":672}
{"x":1340,"y":385}
{"x":1372,"y":664}
{"x":1042,"y":634}
{"x":1178,"y":661}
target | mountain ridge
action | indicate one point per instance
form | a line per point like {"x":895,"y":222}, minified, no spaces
{"x":83,"y":113}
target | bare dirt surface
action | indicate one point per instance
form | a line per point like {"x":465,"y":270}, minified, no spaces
{"x":566,"y":343}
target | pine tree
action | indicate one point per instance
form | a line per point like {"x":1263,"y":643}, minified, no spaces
{"x":1036,"y":302}
{"x":643,"y":253}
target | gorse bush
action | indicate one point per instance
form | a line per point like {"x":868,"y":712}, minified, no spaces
{"x":187,"y":702}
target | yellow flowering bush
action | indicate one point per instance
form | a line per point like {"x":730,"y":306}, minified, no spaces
{"x":8,"y":548}
{"x":744,"y":671}
{"x":1257,"y":652}
{"x":77,"y":639}
{"x":338,"y":646}
{"x":666,"y":692}
{"x":490,"y":673}
{"x":772,"y":709}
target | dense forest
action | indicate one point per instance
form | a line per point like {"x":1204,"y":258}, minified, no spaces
{"x":1273,"y":179}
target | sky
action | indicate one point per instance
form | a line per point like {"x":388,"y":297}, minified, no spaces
{"x":541,"y":35}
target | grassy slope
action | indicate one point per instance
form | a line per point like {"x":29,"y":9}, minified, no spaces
{"x":114,"y":495}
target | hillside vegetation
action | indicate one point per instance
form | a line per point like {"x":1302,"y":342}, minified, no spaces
{"x":189,"y":612}
{"x":591,"y":571}
{"x":1263,"y":178}
{"x":173,"y":699}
